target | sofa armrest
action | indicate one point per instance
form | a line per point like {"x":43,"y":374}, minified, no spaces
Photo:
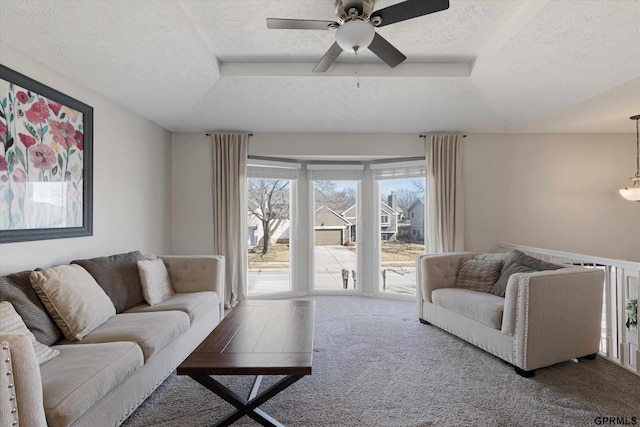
{"x":558,"y":315}
{"x":20,"y":383}
{"x":194,"y":273}
{"x":437,"y":271}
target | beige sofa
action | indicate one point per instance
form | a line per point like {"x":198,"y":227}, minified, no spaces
{"x":101,"y":379}
{"x":545,"y":317}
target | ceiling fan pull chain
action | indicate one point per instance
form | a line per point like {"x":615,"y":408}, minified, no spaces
{"x":355,"y":48}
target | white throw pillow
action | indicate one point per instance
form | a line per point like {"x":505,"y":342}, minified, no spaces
{"x":73,"y":298}
{"x":12,"y":323}
{"x":154,"y":277}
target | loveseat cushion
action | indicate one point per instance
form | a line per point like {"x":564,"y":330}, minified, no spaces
{"x":151,"y":331}
{"x":195,"y":304}
{"x":483,"y":307}
{"x":82,"y":375}
{"x":118,"y":276}
{"x":16,"y":289}
{"x":519,"y":262}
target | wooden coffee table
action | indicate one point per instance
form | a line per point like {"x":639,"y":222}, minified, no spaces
{"x":255,"y":338}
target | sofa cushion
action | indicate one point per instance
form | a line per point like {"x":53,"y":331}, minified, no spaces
{"x":154,"y":278}
{"x":118,"y":276}
{"x":483,"y":307}
{"x":82,"y":375}
{"x":12,"y":324}
{"x":526,"y":264}
{"x":195,"y":304}
{"x":16,"y":289}
{"x":73,"y":299}
{"x":476,"y":274}
{"x":151,"y":331}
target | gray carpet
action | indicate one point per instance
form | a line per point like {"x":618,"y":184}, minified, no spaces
{"x":376,"y":365}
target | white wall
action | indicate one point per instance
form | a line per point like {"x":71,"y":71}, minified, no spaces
{"x":350,"y":146}
{"x":131,"y":182}
{"x":550,"y":191}
{"x":192,"y":209}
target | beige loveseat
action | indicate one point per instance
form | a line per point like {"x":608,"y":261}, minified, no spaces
{"x":545,"y":317}
{"x":101,"y":379}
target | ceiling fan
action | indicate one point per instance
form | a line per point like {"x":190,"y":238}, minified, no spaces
{"x":355,"y":27}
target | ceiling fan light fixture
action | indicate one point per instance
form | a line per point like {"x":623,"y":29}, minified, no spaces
{"x":356,"y":33}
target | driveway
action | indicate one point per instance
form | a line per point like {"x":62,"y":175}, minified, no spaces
{"x":329,"y":262}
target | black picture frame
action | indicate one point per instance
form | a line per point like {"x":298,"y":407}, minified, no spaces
{"x":34,"y":88}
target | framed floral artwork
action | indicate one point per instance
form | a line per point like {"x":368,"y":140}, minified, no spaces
{"x":46,"y":161}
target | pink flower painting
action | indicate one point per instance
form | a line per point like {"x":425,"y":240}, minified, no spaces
{"x":3,"y":131}
{"x":42,"y":158}
{"x":39,"y":112}
{"x":26,"y":140}
{"x":63,"y":134}
{"x":19,"y":176}
{"x":22,"y":97}
{"x":55,"y":107}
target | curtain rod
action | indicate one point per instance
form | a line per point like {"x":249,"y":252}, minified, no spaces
{"x":424,"y":136}
{"x":209,"y":133}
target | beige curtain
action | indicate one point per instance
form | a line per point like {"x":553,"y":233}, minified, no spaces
{"x":229,"y":186}
{"x":445,"y":196}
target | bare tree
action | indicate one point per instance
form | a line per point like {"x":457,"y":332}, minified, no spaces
{"x":269,"y":203}
{"x":405,"y":197}
{"x":418,"y":185}
{"x":328,"y":194}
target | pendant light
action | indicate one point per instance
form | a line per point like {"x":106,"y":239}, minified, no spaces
{"x":633,"y":193}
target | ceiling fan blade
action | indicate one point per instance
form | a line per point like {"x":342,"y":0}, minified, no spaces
{"x":386,"y":51}
{"x":409,"y":9}
{"x":300,"y":24}
{"x":329,"y":58}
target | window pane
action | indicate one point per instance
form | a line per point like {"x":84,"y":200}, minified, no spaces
{"x":401,"y":233}
{"x":268,"y":235}
{"x":335,"y":235}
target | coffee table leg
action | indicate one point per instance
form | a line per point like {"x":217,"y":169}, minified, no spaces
{"x":244,"y":406}
{"x":256,"y":387}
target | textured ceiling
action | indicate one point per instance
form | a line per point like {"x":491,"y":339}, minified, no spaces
{"x":197,"y":65}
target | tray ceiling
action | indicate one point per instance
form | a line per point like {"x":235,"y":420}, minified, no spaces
{"x":482,"y":66}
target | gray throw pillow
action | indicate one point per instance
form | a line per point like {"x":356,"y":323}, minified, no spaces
{"x":118,"y":276}
{"x":519,"y":262}
{"x":16,"y":289}
{"x":529,"y":261}
{"x":500,"y":287}
{"x":477,"y":275}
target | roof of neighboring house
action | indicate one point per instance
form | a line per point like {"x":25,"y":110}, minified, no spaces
{"x":415,"y":203}
{"x":333,"y":215}
{"x":383,"y":207}
{"x":388,"y":209}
